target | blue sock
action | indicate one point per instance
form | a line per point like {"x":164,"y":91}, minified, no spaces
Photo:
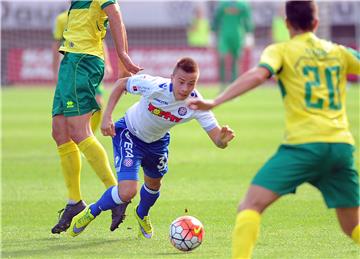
{"x":148,"y":198}
{"x":110,"y":199}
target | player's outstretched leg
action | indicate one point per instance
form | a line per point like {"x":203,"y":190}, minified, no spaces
{"x":80,"y":222}
{"x":67,"y":215}
{"x":118,"y":215}
{"x":145,"y":226}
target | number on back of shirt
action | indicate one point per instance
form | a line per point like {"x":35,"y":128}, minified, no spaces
{"x":313,"y":84}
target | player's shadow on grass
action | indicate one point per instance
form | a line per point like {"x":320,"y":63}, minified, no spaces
{"x":52,"y":249}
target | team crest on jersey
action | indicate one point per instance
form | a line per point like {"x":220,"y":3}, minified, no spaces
{"x":128,"y":162}
{"x":135,"y":88}
{"x":182,"y":111}
{"x":163,"y":114}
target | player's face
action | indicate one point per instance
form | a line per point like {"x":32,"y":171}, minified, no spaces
{"x":183,"y":83}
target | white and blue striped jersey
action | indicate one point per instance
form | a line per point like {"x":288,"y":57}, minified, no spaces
{"x":158,"y":111}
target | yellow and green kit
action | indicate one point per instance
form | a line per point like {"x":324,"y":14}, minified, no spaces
{"x":82,"y":68}
{"x":318,"y":145}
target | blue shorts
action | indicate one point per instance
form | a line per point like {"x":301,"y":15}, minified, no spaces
{"x":130,"y":153}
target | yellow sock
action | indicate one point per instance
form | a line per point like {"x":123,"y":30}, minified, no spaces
{"x":95,"y":120}
{"x":97,"y":157}
{"x":355,"y":235}
{"x":71,"y":166}
{"x":245,"y":234}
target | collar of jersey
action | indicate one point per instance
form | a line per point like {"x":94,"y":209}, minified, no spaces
{"x":305,"y":36}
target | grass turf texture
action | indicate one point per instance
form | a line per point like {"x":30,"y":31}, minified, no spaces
{"x":207,"y":181}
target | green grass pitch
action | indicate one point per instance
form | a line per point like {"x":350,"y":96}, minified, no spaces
{"x":207,"y":181}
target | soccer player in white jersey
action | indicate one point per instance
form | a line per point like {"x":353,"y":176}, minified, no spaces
{"x":141,"y":138}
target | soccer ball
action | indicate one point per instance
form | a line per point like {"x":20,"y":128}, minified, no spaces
{"x":186,"y":233}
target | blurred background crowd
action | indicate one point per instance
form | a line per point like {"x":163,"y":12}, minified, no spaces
{"x":159,"y":32}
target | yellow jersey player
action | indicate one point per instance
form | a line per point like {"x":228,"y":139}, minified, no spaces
{"x":59,"y":27}
{"x":81,"y":71}
{"x":318,"y":146}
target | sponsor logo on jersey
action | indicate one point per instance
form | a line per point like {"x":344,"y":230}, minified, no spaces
{"x":163,"y":85}
{"x":161,"y":101}
{"x":182,"y":111}
{"x":232,"y":10}
{"x":128,"y":146}
{"x":163,"y":114}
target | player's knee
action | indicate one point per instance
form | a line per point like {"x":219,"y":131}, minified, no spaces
{"x":59,"y":136}
{"x":77,"y":136}
{"x":55,"y":134}
{"x":74,"y":134}
{"x":127,"y":193}
{"x":155,"y":186}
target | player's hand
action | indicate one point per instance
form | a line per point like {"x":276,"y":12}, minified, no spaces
{"x":225,"y":136}
{"x":128,"y":64}
{"x":199,"y":104}
{"x":108,"y":127}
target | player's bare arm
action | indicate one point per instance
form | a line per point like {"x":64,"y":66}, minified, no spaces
{"x":56,"y":59}
{"x":107,"y":125}
{"x":108,"y":67}
{"x":244,"y":83}
{"x":117,"y":31}
{"x":221,"y":136}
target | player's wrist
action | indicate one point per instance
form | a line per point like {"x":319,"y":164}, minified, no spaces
{"x":107,"y":116}
{"x":215,"y":103}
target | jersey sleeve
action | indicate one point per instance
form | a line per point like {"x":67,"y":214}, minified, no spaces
{"x":105,"y":3}
{"x":206,"y":119}
{"x":58,"y":29}
{"x":271,"y":58}
{"x":352,"y":58}
{"x":141,"y":85}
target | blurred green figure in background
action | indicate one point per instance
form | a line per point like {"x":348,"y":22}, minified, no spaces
{"x":279,"y":31}
{"x":198,"y":34}
{"x":232,"y":21}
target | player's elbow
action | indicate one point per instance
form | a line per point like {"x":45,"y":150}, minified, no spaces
{"x":120,"y":84}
